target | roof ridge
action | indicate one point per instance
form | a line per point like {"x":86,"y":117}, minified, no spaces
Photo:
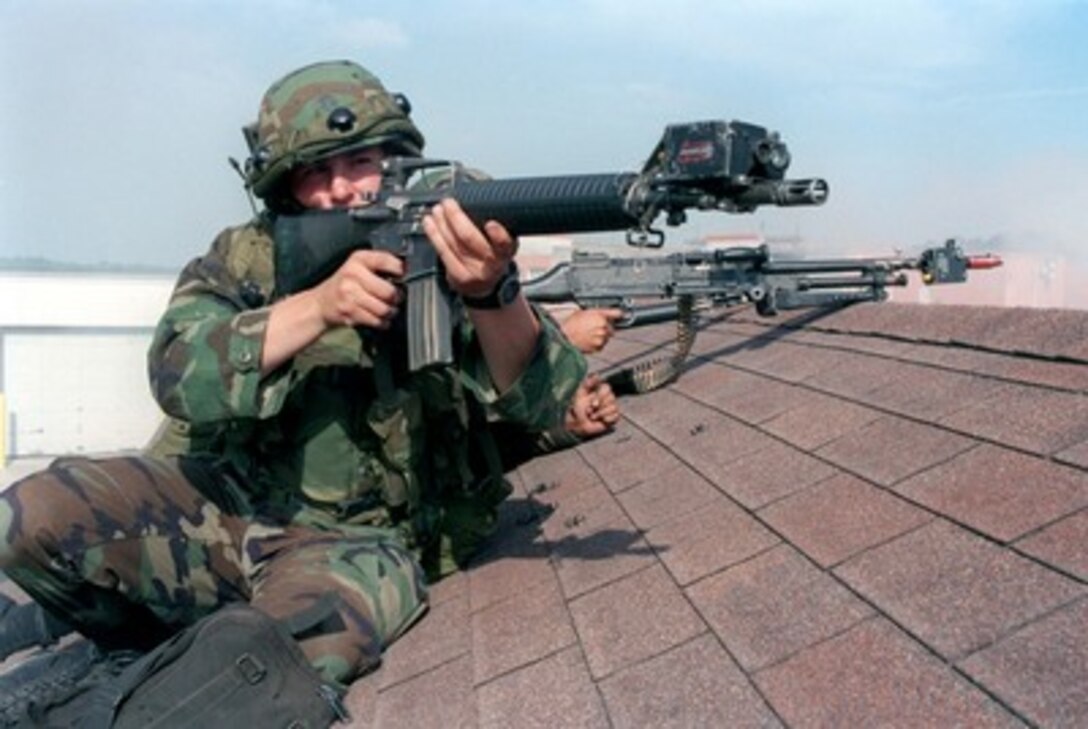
{"x":949,"y":343}
{"x":876,"y":319}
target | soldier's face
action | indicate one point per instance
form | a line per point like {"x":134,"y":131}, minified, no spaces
{"x":345,"y":180}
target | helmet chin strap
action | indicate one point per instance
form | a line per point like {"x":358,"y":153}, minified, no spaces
{"x":249,"y":193}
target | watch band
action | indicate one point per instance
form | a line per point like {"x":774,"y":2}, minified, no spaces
{"x":504,"y":293}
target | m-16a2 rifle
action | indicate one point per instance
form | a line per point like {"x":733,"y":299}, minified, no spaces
{"x":728,"y":166}
{"x":679,"y":285}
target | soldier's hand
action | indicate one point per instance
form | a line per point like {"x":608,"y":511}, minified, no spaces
{"x":363,"y":291}
{"x":594,"y":409}
{"x":590,"y":329}
{"x":475,"y":258}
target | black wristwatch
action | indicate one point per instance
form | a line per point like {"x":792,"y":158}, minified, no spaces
{"x":504,"y":293}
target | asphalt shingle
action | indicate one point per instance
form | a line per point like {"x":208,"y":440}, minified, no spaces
{"x":875,"y":675}
{"x":707,"y":689}
{"x":1040,"y":669}
{"x":873,"y":517}
{"x":775,"y":605}
{"x":953,"y":589}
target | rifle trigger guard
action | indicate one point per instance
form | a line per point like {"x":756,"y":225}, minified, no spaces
{"x":645,"y":238}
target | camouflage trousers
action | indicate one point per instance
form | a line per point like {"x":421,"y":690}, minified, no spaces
{"x":124,"y":548}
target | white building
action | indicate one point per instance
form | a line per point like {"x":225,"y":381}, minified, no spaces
{"x":73,"y":345}
{"x":73,"y":353}
{"x":538,"y":253}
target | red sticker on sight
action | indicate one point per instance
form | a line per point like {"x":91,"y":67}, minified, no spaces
{"x":694,"y":151}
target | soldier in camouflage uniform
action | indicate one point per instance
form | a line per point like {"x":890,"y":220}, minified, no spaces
{"x":302,"y":460}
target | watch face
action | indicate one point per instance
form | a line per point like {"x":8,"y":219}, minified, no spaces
{"x":508,"y":290}
{"x":505,"y":292}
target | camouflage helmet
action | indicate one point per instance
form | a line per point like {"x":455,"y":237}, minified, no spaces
{"x":319,"y":110}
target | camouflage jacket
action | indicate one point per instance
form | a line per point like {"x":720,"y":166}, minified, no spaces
{"x":317,"y":439}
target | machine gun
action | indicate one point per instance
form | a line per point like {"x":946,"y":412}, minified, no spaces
{"x":728,"y":166}
{"x":694,"y":281}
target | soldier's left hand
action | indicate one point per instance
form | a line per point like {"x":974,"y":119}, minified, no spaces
{"x":594,"y":409}
{"x":475,"y":258}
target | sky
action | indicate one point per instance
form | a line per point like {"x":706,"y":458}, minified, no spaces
{"x":928,"y":118}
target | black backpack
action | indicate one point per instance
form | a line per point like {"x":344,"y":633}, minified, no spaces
{"x":235,"y":668}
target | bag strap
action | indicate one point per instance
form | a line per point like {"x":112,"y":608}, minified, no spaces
{"x":314,"y":616}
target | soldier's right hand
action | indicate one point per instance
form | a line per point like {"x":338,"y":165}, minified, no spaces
{"x":363,"y":291}
{"x":590,"y":329}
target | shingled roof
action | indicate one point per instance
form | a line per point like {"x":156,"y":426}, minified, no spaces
{"x":875,"y":517}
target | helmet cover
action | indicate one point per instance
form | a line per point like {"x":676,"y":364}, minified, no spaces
{"x":320,"y":110}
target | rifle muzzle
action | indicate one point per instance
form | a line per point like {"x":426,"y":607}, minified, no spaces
{"x":784,"y":193}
